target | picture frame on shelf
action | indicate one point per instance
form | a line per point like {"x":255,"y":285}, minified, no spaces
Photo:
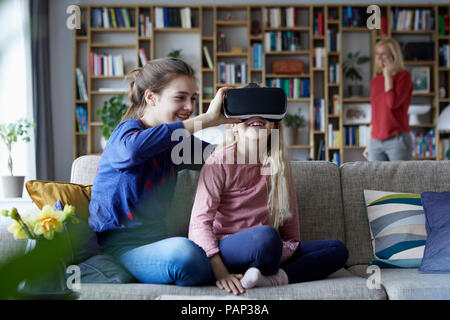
{"x":421,"y":79}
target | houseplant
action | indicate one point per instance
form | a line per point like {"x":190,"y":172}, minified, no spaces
{"x":111,"y":113}
{"x":352,"y":71}
{"x":292,"y":124}
{"x":10,"y":134}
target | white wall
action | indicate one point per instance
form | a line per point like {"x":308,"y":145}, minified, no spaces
{"x":61,"y":71}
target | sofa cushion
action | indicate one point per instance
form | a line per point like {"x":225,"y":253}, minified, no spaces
{"x":396,"y":176}
{"x":397,"y":227}
{"x":9,"y":247}
{"x":436,"y":258}
{"x":318,"y":190}
{"x":342,"y":285}
{"x":49,"y":192}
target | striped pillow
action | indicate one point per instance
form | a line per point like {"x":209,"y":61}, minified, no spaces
{"x":397,"y":227}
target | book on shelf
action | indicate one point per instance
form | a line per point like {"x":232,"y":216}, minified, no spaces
{"x":293,"y":87}
{"x":111,"y":18}
{"x":320,"y":155}
{"x":357,"y":135}
{"x":319,"y":114}
{"x":354,"y":16}
{"x":207,"y":57}
{"x":81,"y":85}
{"x":145,"y":25}
{"x":336,"y":159}
{"x":81,"y":118}
{"x":282,"y":41}
{"x":334,"y":137}
{"x":318,"y":24}
{"x":443,"y":24}
{"x":383,"y":31}
{"x":232,"y":73}
{"x":333,"y":73}
{"x":444,"y":56}
{"x":106,"y":65}
{"x":319,"y":57}
{"x":257,"y":55}
{"x":143,"y":57}
{"x":335,"y":105}
{"x":279,"y":17}
{"x":221,"y":42}
{"x":333,"y":41}
{"x":412,"y":19}
{"x":424,"y":143}
{"x":173,"y":17}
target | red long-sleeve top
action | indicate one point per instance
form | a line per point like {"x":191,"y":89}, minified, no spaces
{"x":390,"y":108}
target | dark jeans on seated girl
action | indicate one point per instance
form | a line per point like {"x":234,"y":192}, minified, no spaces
{"x":261,"y":247}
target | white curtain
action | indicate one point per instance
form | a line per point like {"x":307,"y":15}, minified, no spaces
{"x":15,"y":83}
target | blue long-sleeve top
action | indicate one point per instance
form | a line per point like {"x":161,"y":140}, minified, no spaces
{"x":135,"y":183}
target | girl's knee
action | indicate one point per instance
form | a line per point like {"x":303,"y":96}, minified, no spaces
{"x":340,"y":250}
{"x":266,"y":237}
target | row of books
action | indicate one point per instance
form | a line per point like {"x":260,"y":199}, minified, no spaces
{"x":383,"y":30}
{"x":424,"y":143}
{"x":81,"y":85}
{"x":232,"y":73}
{"x":320,"y":155}
{"x":319,"y":57}
{"x":357,"y":135}
{"x":281,"y":41}
{"x":106,"y":64}
{"x":443,"y":24}
{"x":354,"y":16}
{"x":173,"y":17}
{"x":280,"y":17}
{"x":257,"y":55}
{"x":293,"y":87}
{"x":412,"y":19}
{"x":334,"y":39}
{"x":444,"y":56}
{"x":81,"y":117}
{"x":111,"y":18}
{"x":207,"y":57}
{"x":318,"y":24}
{"x":319,"y":114}
{"x":145,"y":25}
{"x":336,"y":159}
{"x":334,"y":137}
{"x":333,"y":73}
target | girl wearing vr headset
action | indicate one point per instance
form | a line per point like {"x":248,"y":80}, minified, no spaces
{"x":136,"y":176}
{"x":245,"y":215}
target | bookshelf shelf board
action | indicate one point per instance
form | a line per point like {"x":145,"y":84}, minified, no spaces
{"x":287,"y":29}
{"x":256,"y":69}
{"x":293,"y":75}
{"x":318,"y":37}
{"x":298,"y":52}
{"x":334,"y":116}
{"x":207,"y":69}
{"x":255,"y":37}
{"x":333,"y":21}
{"x":232,"y":23}
{"x":424,"y":94}
{"x":181,"y":30}
{"x":207,"y":38}
{"x":230,"y":84}
{"x":108,"y":77}
{"x":108,"y":92}
{"x":232,"y":54}
{"x":298,"y":146}
{"x":96,"y":124}
{"x":81,"y":133}
{"x":354,"y":147}
{"x":355,"y":29}
{"x":334,"y":148}
{"x":81,"y":101}
{"x":444,"y":100}
{"x":412,"y":32}
{"x":425,"y":157}
{"x":356,"y":124}
{"x":113,"y":45}
{"x":364,"y":99}
{"x":145,"y":38}
{"x":333,"y":53}
{"x":443,"y":37}
{"x":318,"y":132}
{"x":333,"y":84}
{"x":81,"y":38}
{"x":422,"y":125}
{"x":113,"y":29}
{"x":444,"y":69}
{"x":299,"y":99}
{"x":207,"y":100}
{"x":318,"y":69}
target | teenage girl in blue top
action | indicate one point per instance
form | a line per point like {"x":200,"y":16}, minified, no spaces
{"x":136,"y":176}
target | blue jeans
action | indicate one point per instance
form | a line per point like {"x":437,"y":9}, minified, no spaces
{"x":261,"y":247}
{"x":174,"y":260}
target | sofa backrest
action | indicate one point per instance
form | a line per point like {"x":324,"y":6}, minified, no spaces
{"x":317,"y":187}
{"x":394,"y":176}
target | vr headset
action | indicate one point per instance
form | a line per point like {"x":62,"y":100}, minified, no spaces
{"x":244,"y":103}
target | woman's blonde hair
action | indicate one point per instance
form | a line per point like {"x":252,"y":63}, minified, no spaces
{"x":155,"y":76}
{"x":278,"y":201}
{"x":396,"y":52}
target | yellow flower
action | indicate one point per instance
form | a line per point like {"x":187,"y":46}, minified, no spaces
{"x":49,"y":222}
{"x":17,"y":230}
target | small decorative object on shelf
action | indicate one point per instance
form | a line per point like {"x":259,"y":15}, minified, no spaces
{"x":10,"y":134}
{"x":293,"y":122}
{"x":46,"y":234}
{"x":175,"y":53}
{"x":352,"y":72}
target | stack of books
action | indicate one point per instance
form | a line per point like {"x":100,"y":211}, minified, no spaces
{"x":173,"y":18}
{"x":409,"y":19}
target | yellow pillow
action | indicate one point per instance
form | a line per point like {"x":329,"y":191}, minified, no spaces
{"x":48,"y":192}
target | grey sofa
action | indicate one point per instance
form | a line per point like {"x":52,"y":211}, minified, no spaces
{"x":331,"y":205}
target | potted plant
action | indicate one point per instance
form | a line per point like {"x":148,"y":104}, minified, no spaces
{"x":292,"y":124}
{"x":111,"y":113}
{"x":175,"y":53}
{"x":10,"y":134}
{"x":352,"y":71}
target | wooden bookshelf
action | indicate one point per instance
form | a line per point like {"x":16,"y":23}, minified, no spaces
{"x":235,"y":21}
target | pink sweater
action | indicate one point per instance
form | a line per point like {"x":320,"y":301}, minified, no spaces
{"x":233,"y":197}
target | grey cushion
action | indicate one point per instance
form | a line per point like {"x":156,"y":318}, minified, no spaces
{"x":396,"y":176}
{"x":84,"y":169}
{"x":341,"y":285}
{"x":409,"y":284}
{"x":103,"y":268}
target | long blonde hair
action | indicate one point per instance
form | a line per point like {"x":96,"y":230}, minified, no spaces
{"x":278,"y":200}
{"x":396,"y":52}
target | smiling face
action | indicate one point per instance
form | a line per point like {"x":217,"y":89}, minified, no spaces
{"x":250,"y":128}
{"x":175,"y":103}
{"x":382,"y":54}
